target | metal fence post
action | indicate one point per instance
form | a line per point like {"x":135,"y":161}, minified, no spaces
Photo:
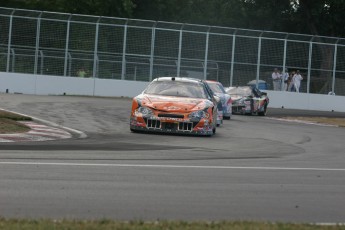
{"x":9,"y":43}
{"x":95,"y":57}
{"x":66,"y":48}
{"x":153,"y":37}
{"x":284,"y":63}
{"x":38,"y":31}
{"x":309,"y":63}
{"x":179,"y":52}
{"x":69,"y":64}
{"x":258,"y":63}
{"x":206,"y":53}
{"x":334,"y":65}
{"x":123,"y":72}
{"x":233,"y":58}
{"x":42,"y":62}
{"x":95,"y":54}
{"x":13,"y":60}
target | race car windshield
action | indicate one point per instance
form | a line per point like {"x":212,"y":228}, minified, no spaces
{"x":240,"y":91}
{"x":177,"y":89}
{"x":216,"y":87}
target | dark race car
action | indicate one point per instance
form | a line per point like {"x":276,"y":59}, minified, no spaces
{"x":248,"y":100}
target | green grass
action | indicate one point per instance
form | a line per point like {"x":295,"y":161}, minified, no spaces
{"x":14,"y":224}
{"x":9,"y":123}
{"x":13,"y":116}
{"x":321,"y":120}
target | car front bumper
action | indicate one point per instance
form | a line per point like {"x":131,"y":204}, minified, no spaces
{"x":173,"y":126}
{"x":241,"y":109}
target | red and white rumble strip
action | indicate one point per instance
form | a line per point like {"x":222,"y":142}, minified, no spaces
{"x":38,"y":132}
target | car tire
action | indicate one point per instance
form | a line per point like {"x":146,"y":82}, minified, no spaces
{"x":263,"y":113}
{"x":213,"y":132}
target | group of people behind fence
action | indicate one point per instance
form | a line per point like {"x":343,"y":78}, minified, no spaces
{"x":286,"y":81}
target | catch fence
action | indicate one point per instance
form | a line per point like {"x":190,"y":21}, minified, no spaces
{"x":50,"y":43}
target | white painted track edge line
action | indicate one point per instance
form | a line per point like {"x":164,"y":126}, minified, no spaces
{"x":167,"y":166}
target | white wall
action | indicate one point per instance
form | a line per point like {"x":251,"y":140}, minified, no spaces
{"x":292,"y":100}
{"x":57,"y":85}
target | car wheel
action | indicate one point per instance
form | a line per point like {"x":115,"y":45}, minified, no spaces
{"x":263,"y":113}
{"x":213,"y":132}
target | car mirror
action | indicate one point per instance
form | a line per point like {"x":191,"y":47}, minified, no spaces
{"x":216,"y":98}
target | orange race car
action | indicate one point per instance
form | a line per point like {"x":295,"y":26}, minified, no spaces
{"x":175,"y":105}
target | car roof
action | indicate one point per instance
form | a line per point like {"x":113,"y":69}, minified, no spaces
{"x":240,"y":87}
{"x":212,"y":81}
{"x":180,"y":79}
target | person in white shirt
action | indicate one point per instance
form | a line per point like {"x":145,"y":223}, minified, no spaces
{"x":297,"y":78}
{"x":284,"y":79}
{"x":276,"y":77}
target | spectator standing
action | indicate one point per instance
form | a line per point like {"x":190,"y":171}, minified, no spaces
{"x":291,"y":88}
{"x":297,"y":78}
{"x":284,"y":80}
{"x":81,"y":72}
{"x":276,"y":77}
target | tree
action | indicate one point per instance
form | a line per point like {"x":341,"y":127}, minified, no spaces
{"x":321,"y":17}
{"x":115,"y":8}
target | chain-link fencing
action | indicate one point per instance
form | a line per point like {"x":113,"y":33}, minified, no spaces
{"x":68,"y":45}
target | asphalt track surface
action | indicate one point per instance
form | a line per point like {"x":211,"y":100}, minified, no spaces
{"x":254,"y":168}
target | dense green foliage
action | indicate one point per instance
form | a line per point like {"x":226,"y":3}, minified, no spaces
{"x":318,"y":17}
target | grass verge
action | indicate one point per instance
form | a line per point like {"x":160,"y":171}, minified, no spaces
{"x":12,"y":224}
{"x":9,"y":123}
{"x":321,"y":120}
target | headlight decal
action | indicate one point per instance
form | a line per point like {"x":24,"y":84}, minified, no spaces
{"x":198,"y":114}
{"x":145,"y":112}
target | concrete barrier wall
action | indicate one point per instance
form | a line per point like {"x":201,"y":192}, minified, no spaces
{"x":291,"y":100}
{"x":56,"y":85}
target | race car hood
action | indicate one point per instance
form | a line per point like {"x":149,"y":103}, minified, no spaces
{"x":237,"y":97}
{"x":173,"y":104}
{"x":220,"y":95}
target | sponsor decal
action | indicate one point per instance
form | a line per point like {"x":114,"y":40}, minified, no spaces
{"x":172,"y":108}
